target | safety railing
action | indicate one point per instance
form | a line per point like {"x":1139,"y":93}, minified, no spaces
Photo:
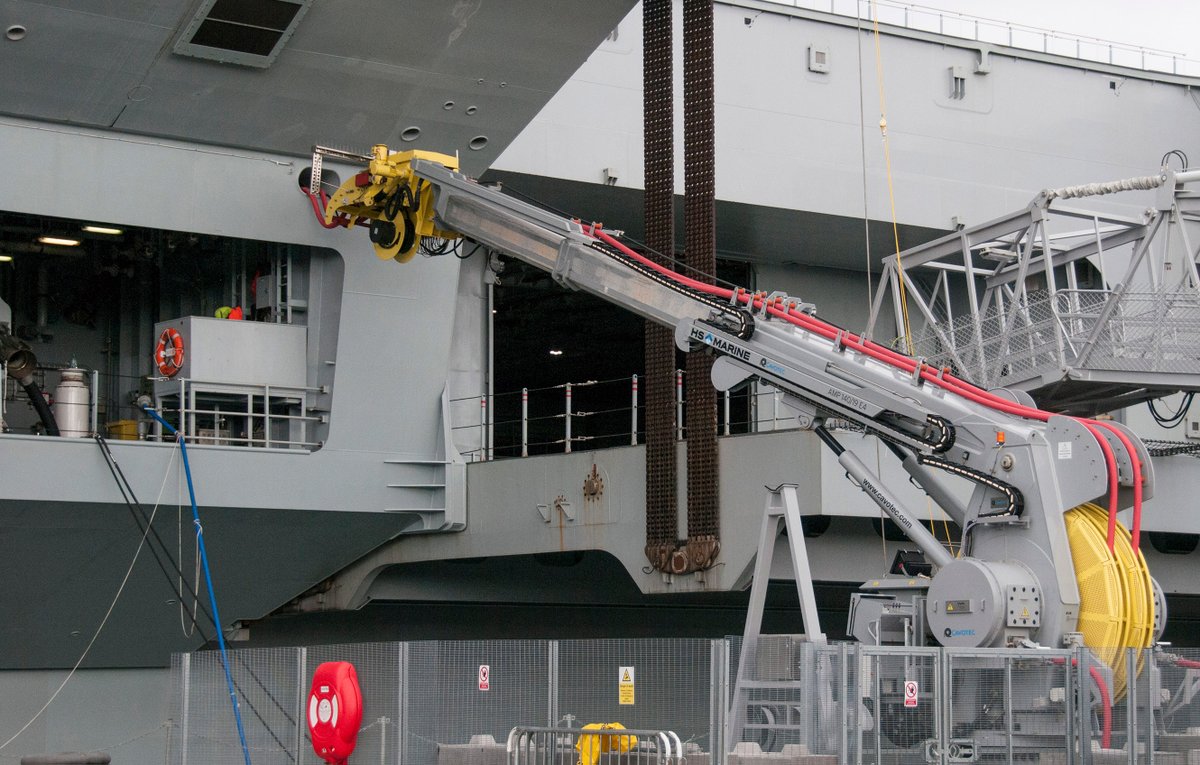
{"x":211,"y":413}
{"x":594,"y":414}
{"x":1144,"y":331}
{"x":999,"y":32}
{"x":594,"y":744}
{"x":235,"y":414}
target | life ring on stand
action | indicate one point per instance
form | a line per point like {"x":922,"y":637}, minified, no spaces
{"x":168,"y":354}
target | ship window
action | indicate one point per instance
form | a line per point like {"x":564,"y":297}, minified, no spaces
{"x":247,"y":32}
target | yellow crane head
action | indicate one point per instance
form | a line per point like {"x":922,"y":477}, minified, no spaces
{"x":392,"y":202}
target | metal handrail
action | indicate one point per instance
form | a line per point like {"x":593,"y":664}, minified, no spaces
{"x":1013,"y":35}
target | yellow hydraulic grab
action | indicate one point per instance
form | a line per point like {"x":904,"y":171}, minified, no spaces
{"x":396,"y":205}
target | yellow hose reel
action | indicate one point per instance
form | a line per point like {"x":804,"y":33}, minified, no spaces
{"x":1116,"y":594}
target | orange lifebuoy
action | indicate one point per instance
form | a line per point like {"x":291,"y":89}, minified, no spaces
{"x":168,"y":355}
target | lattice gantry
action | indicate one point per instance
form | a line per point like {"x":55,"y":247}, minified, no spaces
{"x":1086,"y":311}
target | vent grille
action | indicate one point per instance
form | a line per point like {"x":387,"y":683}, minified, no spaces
{"x":246,"y":32}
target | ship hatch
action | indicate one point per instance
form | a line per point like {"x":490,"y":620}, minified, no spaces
{"x":246,"y":32}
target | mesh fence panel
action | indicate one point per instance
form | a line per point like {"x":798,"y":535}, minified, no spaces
{"x":1007,"y":705}
{"x":671,"y":685}
{"x":1179,"y":686}
{"x":900,"y":726}
{"x":445,"y":706}
{"x":265,"y":681}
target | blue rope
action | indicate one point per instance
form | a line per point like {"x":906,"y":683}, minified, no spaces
{"x":212,"y":598}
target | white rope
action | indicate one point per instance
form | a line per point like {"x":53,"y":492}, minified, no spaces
{"x":107,"y":614}
{"x":1142,"y":183}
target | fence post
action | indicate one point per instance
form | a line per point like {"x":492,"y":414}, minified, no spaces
{"x":185,"y":667}
{"x":95,"y":404}
{"x":568,"y":437}
{"x":524,"y":422}
{"x":718,"y":666}
{"x":551,"y":683}
{"x":1148,"y":661}
{"x":1082,"y":679}
{"x":301,"y":676}
{"x":678,"y":404}
{"x":401,"y":701}
{"x":844,"y":696}
{"x":1131,"y":705}
{"x":483,"y":428}
{"x":1008,"y":704}
{"x":266,"y":413}
{"x":633,"y":414}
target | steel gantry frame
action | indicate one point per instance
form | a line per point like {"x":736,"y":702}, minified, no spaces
{"x":1086,"y":311}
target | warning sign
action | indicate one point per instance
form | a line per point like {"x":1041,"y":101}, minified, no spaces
{"x":625,"y":686}
{"x":910,"y":693}
{"x":485,"y":677}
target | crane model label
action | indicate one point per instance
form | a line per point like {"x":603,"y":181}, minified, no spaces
{"x":721,"y":344}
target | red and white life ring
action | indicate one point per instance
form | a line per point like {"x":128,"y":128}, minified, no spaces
{"x":168,"y":354}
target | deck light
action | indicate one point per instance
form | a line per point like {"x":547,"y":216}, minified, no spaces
{"x":59,"y":240}
{"x":103,"y":230}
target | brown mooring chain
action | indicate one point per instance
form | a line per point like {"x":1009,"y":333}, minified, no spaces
{"x":661,"y":524}
{"x":663,"y":549}
{"x":699,"y":215}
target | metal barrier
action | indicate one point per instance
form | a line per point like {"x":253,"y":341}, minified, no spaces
{"x":605,"y":744}
{"x":807,"y":704}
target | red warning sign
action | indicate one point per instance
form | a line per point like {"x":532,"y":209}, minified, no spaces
{"x":910,"y":693}
{"x":485,"y":677}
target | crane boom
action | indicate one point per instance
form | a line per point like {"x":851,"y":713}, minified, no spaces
{"x":1015,"y":580}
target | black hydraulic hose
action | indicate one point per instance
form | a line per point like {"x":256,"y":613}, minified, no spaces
{"x":41,"y":407}
{"x":21,"y":364}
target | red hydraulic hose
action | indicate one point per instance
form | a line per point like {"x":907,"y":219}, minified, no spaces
{"x":1187,"y":663}
{"x":1136,"y":531}
{"x":1105,"y":702}
{"x":906,"y":363}
{"x":320,"y":213}
{"x":1110,"y":461}
{"x":1106,"y":706}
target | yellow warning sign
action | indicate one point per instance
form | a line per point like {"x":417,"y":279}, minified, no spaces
{"x":625,"y":686}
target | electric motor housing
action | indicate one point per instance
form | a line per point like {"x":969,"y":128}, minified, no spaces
{"x":976,"y":604}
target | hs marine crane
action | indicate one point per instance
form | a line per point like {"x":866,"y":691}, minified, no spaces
{"x":1043,"y":560}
